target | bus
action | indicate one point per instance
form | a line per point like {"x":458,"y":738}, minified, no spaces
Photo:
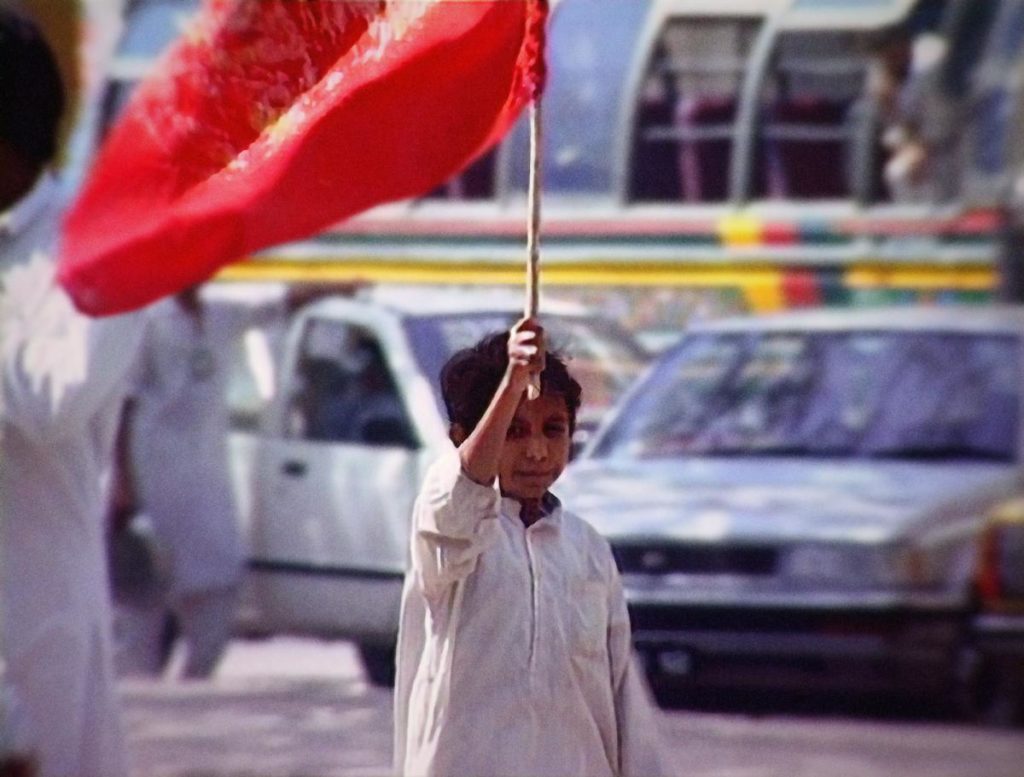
{"x":712,"y":156}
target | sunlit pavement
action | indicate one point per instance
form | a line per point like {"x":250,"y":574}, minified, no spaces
{"x":300,"y":708}
{"x":277,"y":708}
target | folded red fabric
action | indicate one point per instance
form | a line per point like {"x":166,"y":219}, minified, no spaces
{"x":273,"y":119}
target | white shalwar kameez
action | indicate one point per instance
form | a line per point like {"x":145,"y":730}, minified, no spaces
{"x":180,"y":457}
{"x":514,"y":651}
{"x":64,"y":376}
{"x":179,"y":442}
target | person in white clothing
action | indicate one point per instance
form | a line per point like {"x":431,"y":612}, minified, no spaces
{"x":176,"y":431}
{"x":515,"y":655}
{"x":177,"y":426}
{"x":64,"y":377}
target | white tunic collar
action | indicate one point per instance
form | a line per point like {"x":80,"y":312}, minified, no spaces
{"x":550,"y":504}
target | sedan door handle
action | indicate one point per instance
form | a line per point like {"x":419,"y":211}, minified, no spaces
{"x":294,"y":468}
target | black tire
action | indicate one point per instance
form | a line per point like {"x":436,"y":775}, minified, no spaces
{"x":998,"y":697}
{"x":989,"y":691}
{"x":378,"y":663}
{"x":667,"y":692}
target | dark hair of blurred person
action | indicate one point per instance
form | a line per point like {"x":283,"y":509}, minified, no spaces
{"x":32,"y":104}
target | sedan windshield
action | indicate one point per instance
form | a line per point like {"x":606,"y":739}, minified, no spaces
{"x":912,"y":395}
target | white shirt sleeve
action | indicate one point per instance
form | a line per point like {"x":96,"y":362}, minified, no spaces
{"x":58,"y":365}
{"x":454,"y":520}
{"x":640,"y":747}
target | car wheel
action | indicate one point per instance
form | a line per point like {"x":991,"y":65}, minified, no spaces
{"x":1005,"y":709}
{"x":990,"y":692}
{"x":379,"y":663}
{"x":667,"y":691}
{"x":999,"y":695}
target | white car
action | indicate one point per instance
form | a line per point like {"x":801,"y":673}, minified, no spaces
{"x":327,"y":474}
{"x":826,"y":499}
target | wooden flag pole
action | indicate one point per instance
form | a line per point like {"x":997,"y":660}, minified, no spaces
{"x":533,"y":230}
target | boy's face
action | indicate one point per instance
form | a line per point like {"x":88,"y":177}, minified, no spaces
{"x":536,"y":448}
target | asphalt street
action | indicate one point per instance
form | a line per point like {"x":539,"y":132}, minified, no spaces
{"x":300,"y":708}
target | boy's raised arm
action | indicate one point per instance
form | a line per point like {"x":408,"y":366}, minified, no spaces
{"x":480,"y":452}
{"x":450,"y":518}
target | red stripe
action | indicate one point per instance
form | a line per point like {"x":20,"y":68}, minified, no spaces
{"x":780,"y":234}
{"x":800,"y":288}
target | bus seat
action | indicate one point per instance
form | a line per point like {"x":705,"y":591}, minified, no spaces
{"x":654,"y":175}
{"x":805,"y":145}
{"x":705,"y":126}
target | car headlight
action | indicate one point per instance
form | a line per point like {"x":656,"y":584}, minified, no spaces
{"x":823,"y":564}
{"x":858,"y":566}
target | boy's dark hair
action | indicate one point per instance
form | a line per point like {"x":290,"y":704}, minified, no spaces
{"x":471,"y":376}
{"x":32,"y":99}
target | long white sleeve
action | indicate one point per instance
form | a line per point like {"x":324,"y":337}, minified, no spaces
{"x":640,"y":747}
{"x":454,"y":521}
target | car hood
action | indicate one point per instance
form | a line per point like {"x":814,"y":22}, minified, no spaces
{"x":704,"y":499}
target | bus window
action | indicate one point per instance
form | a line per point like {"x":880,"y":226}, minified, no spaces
{"x":969,"y":25}
{"x":993,"y":147}
{"x":590,"y":44}
{"x":590,"y":49}
{"x":686,"y":109}
{"x":949,"y":108}
{"x":476,"y":182}
{"x":808,"y":120}
{"x":1008,"y":34}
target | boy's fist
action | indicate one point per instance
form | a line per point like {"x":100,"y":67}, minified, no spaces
{"x":526,"y":348}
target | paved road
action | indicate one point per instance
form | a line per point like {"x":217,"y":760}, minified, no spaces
{"x":300,"y":708}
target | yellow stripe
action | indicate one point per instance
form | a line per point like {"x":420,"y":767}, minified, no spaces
{"x":763,"y":279}
{"x":931,"y":278}
{"x":740,"y":231}
{"x":760,"y":283}
{"x":764,"y":295}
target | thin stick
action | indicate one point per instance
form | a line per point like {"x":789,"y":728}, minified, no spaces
{"x":533,"y":231}
{"x":533,"y":204}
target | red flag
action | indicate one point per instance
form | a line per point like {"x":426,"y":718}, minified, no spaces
{"x":275,"y":118}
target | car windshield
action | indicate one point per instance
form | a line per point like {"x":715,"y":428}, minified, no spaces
{"x":602,"y":357}
{"x":907,"y":395}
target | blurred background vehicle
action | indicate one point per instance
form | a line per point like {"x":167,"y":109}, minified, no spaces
{"x":800,"y":500}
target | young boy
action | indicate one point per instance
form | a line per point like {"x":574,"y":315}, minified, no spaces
{"x":514,"y":646}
